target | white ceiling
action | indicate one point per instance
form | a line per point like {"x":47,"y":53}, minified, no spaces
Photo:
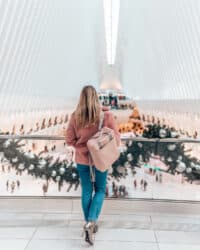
{"x":53,"y":47}
{"x":50,"y":47}
{"x":159,"y":48}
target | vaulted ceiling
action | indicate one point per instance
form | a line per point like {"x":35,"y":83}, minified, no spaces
{"x":159,"y":48}
{"x":52,"y":48}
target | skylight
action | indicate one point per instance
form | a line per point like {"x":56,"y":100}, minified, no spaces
{"x":111,"y":18}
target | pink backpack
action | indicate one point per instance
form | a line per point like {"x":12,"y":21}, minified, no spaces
{"x":102,"y":146}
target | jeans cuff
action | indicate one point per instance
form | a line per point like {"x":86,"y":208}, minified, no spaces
{"x":92,"y":219}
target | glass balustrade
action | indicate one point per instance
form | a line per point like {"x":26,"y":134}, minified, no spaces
{"x":147,"y":168}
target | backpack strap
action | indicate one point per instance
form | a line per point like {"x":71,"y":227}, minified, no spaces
{"x":101,"y":120}
{"x":92,"y":171}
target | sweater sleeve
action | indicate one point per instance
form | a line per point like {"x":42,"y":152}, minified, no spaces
{"x":111,"y":123}
{"x":71,"y":138}
{"x":70,"y":135}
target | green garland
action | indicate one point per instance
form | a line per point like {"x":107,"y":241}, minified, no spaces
{"x":134,"y":154}
{"x":38,"y":166}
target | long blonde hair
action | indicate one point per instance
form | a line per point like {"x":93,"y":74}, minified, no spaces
{"x":87,"y":112}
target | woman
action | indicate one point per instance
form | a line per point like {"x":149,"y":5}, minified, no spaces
{"x":82,"y":126}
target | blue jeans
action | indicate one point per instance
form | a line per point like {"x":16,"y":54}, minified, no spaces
{"x":92,"y":204}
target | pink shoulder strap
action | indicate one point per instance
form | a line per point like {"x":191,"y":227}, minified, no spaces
{"x":101,"y":120}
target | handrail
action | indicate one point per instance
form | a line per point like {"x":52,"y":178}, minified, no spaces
{"x":139,"y":138}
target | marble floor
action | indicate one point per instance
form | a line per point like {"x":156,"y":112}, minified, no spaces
{"x":56,"y":224}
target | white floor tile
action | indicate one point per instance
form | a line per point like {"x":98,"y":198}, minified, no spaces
{"x":118,"y":245}
{"x":5,"y":216}
{"x":173,"y":219}
{"x":123,"y":217}
{"x":178,"y":237}
{"x":13,"y":244}
{"x":47,"y":245}
{"x":75,"y":233}
{"x":126,"y":235}
{"x":78,"y":244}
{"x":57,"y":216}
{"x":55,"y":220}
{"x":21,"y":220}
{"x":36,"y":205}
{"x":76,"y":224}
{"x":77,"y":216}
{"x":178,"y":247}
{"x":51,"y":233}
{"x":29,"y":216}
{"x":16,"y":232}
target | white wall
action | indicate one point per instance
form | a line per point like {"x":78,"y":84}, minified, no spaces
{"x":50,"y":47}
{"x":159,"y":48}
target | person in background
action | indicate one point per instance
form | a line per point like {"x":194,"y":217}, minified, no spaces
{"x":7,"y":185}
{"x":18,"y":184}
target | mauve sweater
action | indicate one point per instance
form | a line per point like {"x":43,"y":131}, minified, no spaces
{"x":78,"y":137}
